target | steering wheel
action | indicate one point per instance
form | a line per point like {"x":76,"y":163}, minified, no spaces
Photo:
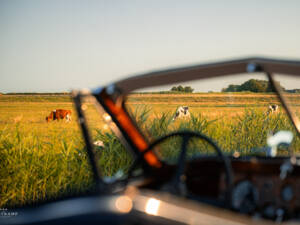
{"x":177,"y":179}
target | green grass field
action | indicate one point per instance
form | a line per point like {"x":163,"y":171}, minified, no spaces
{"x":41,"y":160}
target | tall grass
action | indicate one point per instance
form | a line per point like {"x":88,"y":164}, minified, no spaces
{"x":33,"y":168}
{"x":242,"y":133}
{"x":44,"y":165}
{"x":112,"y":157}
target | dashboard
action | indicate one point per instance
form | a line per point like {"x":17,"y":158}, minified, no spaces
{"x":266,"y":187}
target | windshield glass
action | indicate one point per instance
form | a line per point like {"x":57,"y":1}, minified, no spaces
{"x":240,"y":113}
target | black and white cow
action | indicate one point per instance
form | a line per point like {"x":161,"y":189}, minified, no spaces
{"x":273,"y":108}
{"x":182,"y":112}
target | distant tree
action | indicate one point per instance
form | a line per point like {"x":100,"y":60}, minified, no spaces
{"x":252,"y":85}
{"x":179,"y":88}
{"x":231,"y":88}
{"x":255,"y":86}
{"x":174,"y":88}
{"x":188,"y":89}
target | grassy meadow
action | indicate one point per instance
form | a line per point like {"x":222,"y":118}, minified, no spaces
{"x":238,"y":122}
{"x":41,"y":160}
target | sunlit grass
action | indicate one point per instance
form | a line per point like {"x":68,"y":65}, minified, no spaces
{"x":41,"y":161}
{"x":36,"y":166}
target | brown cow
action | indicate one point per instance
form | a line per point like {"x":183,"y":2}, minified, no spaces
{"x":59,"y":114}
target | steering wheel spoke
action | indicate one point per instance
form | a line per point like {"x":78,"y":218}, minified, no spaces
{"x":178,"y":182}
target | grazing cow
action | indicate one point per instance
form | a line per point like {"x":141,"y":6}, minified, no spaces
{"x":273,"y":108}
{"x":182,"y":112}
{"x":99,"y":143}
{"x":59,"y":114}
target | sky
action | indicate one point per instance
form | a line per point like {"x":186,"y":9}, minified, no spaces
{"x":60,"y":45}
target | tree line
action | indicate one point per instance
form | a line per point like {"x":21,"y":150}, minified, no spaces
{"x":180,"y":88}
{"x":252,"y":85}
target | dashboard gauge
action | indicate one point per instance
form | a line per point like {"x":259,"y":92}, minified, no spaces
{"x":287,"y":193}
{"x":269,"y":211}
{"x":244,"y":197}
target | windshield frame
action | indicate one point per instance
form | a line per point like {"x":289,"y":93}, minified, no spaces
{"x":112,"y":97}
